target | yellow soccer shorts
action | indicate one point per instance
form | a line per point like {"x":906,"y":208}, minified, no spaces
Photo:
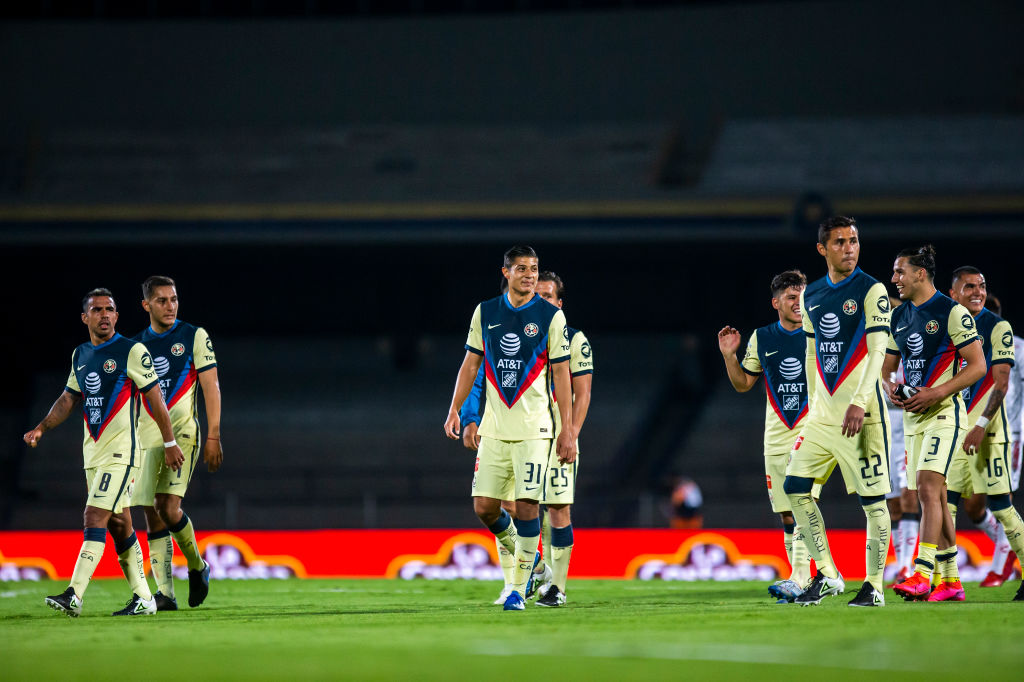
{"x":935,"y":449}
{"x":862,"y":459}
{"x":561,"y":486}
{"x":511,"y":469}
{"x":110,"y":486}
{"x":157,"y":477}
{"x":775,"y":477}
{"x":986,"y":472}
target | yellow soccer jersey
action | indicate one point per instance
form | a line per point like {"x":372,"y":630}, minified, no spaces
{"x":581,"y":361}
{"x":997,"y":339}
{"x":778,"y":354}
{"x":929,"y":338}
{"x":518,"y":344}
{"x":179,"y":355}
{"x":109,"y":378}
{"x":847,"y":326}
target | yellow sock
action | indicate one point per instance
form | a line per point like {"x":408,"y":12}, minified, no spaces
{"x":88,"y":559}
{"x":161,"y":552}
{"x":505,"y":531}
{"x":925,"y":561}
{"x":185,"y":536}
{"x":561,"y":550}
{"x":1014,"y":528}
{"x":879,"y":529}
{"x":800,"y":559}
{"x":545,"y":532}
{"x":507,"y":560}
{"x":526,"y":550}
{"x":948,"y":569}
{"x":808,"y":517}
{"x":134,"y":567}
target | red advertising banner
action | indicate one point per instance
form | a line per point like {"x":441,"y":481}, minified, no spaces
{"x":629,"y":554}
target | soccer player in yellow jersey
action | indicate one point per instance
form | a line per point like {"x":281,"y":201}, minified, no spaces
{"x":107,"y":375}
{"x":846,"y":321}
{"x":984,"y":462}
{"x":184,"y":360}
{"x":519,"y":338}
{"x":776,"y":352}
{"x":932,"y":333}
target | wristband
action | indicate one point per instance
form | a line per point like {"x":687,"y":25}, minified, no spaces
{"x":170,"y":444}
{"x":982,"y":422}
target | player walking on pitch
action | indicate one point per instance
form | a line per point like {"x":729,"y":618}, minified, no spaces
{"x":985,"y":459}
{"x":932,"y":333}
{"x":519,"y":338}
{"x":183,"y":359}
{"x":776,"y":351}
{"x":110,"y":372}
{"x":846,"y":321}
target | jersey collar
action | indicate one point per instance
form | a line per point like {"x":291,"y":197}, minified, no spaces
{"x":508,"y":303}
{"x":786,"y":331}
{"x":844,"y":282}
{"x":173,"y":327}
{"x":113,"y":338}
{"x":918,"y":307}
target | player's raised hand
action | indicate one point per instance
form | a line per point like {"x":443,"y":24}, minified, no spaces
{"x":452,"y":425}
{"x":173,"y":457}
{"x":729,"y":340}
{"x":213,"y":454}
{"x":853,"y":421}
{"x":33,"y":436}
{"x":471,"y":436}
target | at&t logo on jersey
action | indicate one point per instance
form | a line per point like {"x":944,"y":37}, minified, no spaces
{"x":915,"y":344}
{"x":791,"y":368}
{"x":93,"y":383}
{"x":850,"y":306}
{"x":110,"y":366}
{"x":162,"y":365}
{"x":829,"y":325}
{"x":177,"y":350}
{"x":510,"y":344}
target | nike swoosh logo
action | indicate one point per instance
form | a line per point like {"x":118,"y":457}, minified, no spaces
{"x":531,"y":489}
{"x":768,"y":355}
{"x":900,"y":329}
{"x":993,"y":483}
{"x":929,"y":460}
{"x":99,"y":496}
{"x":492,"y":326}
{"x":560,"y":492}
{"x":814,"y":307}
{"x":871,"y":484}
{"x":81,"y":368}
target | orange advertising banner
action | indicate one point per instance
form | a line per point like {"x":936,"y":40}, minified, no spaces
{"x":628,"y":554}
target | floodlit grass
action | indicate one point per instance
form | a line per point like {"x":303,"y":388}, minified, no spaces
{"x":610,"y":630}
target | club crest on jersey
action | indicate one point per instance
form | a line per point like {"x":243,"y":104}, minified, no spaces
{"x":883,"y":304}
{"x":109,"y":366}
{"x":932,"y":326}
{"x":179,"y":348}
{"x":850,"y":306}
{"x":531,"y":330}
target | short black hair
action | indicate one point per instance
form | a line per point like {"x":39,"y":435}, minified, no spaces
{"x":98,"y":291}
{"x":963,"y":270}
{"x":549,"y":276}
{"x":518,"y":252}
{"x":787,"y":279}
{"x":834,"y":223}
{"x":921,"y":257}
{"x":154,"y":282}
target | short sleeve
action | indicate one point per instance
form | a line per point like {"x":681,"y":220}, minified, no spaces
{"x":1002,"y":344}
{"x":877,"y":309}
{"x":891,"y":348}
{"x":751,"y":362}
{"x":140,"y":367}
{"x":961,"y":326}
{"x":558,"y":339}
{"x":72,"y":384}
{"x":475,"y":337}
{"x":581,"y":357}
{"x":807,"y":325}
{"x":202,"y":351}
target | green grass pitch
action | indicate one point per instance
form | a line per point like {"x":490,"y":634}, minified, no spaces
{"x":610,"y":630}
